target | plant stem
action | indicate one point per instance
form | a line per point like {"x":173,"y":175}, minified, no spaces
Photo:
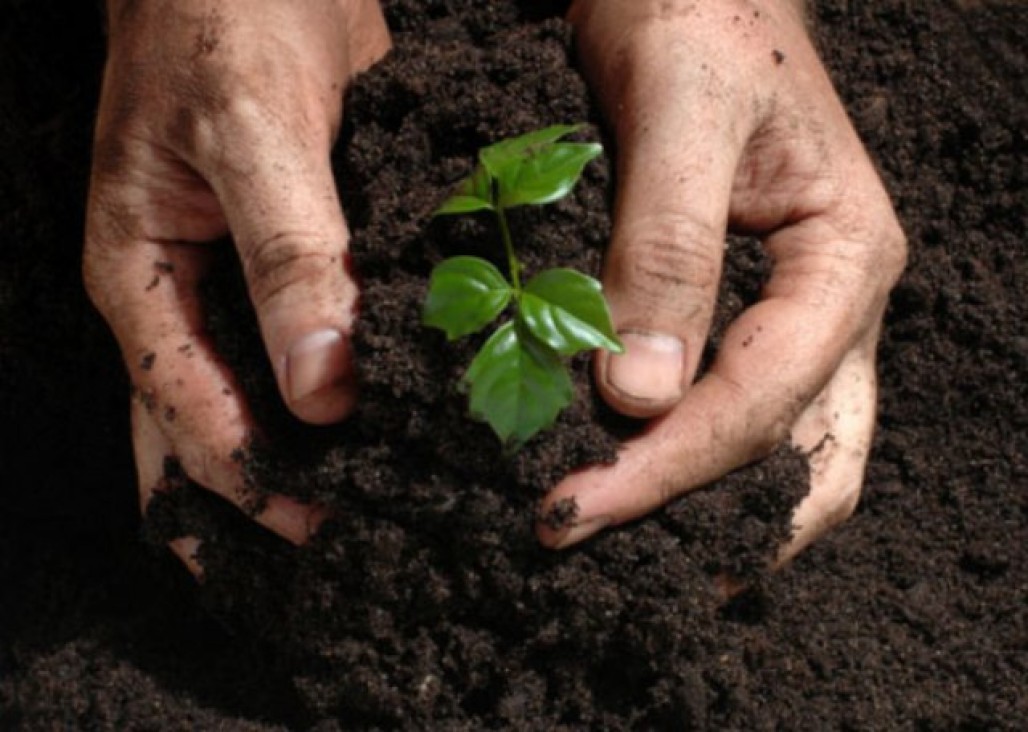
{"x":512,"y":261}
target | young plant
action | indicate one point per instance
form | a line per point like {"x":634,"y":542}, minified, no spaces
{"x":518,"y":382}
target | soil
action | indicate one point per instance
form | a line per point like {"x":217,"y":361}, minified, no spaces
{"x":425,"y":602}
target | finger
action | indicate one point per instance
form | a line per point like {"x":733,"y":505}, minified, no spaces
{"x":187,"y":549}
{"x":835,"y":431}
{"x":835,"y":434}
{"x":369,"y":36}
{"x":679,"y":147}
{"x":275,"y":184}
{"x":152,"y":449}
{"x":774,"y":359}
{"x":285,"y":516}
{"x":186,"y":401}
{"x":191,"y":402}
{"x":827,"y":292}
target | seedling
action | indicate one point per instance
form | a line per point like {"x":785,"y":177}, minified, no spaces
{"x":518,"y":382}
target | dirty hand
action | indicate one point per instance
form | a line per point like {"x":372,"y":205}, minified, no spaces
{"x":217,"y":117}
{"x":725,"y":119}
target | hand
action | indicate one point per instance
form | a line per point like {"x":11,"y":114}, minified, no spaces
{"x":217,"y":117}
{"x":725,"y":119}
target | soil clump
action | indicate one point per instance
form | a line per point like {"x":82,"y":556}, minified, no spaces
{"x":425,"y":602}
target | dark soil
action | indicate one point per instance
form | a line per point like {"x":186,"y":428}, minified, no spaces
{"x":425,"y":603}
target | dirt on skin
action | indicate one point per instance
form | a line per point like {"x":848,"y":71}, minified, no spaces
{"x":425,"y":603}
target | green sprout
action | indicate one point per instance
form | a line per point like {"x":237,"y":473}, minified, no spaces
{"x":518,"y":382}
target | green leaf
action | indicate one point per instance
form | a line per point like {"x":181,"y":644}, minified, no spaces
{"x":458,"y":204}
{"x":566,"y":310}
{"x":518,"y":385}
{"x":464,"y":295}
{"x":499,"y":156}
{"x":547,"y":175}
{"x":474,"y":193}
{"x":535,"y":168}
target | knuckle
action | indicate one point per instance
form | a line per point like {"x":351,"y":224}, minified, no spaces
{"x":894,"y":252}
{"x":752,"y":422}
{"x":674,"y":255}
{"x":222,"y":99}
{"x":221,"y":116}
{"x":214,"y":118}
{"x":870,"y":218}
{"x":111,"y":226}
{"x":869,"y":252}
{"x":771,"y":421}
{"x":190,"y":130}
{"x":248,"y":136}
{"x":882,"y":258}
{"x":284,"y":261}
{"x":98,"y":262}
{"x":210,"y":457}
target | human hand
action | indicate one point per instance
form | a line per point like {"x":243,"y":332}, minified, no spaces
{"x":725,"y":119}
{"x":217,"y":117}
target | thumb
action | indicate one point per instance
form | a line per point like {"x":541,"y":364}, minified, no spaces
{"x":285,"y":216}
{"x":676,"y":166}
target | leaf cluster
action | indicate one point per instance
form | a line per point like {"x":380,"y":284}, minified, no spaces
{"x":518,"y":382}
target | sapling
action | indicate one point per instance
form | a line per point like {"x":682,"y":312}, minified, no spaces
{"x":518,"y":382}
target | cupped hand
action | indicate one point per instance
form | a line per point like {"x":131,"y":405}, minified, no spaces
{"x":217,"y":117}
{"x":725,"y":120}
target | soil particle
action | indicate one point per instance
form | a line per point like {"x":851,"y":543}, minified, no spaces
{"x":429,"y":569}
{"x":561,"y":514}
{"x":425,"y":603}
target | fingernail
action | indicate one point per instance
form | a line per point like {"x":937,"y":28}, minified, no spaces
{"x":650,"y":369}
{"x":316,"y":361}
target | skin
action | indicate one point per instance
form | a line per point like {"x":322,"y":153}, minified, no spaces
{"x":725,"y":120}
{"x":217,"y":117}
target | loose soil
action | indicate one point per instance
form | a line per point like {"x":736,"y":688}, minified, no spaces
{"x":425,"y":603}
